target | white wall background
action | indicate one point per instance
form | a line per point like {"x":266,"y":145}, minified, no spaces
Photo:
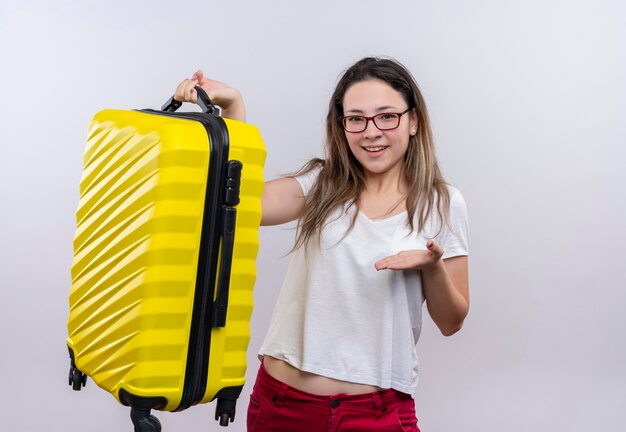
{"x":528,"y":100}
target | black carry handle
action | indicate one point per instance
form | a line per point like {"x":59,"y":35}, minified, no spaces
{"x":203,"y":100}
{"x":229,"y":217}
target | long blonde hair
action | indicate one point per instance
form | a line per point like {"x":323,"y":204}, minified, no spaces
{"x":341,"y":179}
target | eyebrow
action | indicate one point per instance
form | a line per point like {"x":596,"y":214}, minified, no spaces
{"x":379,"y":109}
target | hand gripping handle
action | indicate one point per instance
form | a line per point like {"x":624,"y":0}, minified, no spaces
{"x":203,"y":100}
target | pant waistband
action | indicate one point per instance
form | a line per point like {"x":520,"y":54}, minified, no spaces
{"x":280,"y":390}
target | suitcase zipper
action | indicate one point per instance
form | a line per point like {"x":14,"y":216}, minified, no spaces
{"x":196,"y":372}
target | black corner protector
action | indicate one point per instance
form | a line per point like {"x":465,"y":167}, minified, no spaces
{"x":140,"y":402}
{"x":229,"y":393}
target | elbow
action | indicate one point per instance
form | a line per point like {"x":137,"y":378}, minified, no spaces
{"x":449,"y":320}
{"x":450,"y":329}
{"x":453,"y":323}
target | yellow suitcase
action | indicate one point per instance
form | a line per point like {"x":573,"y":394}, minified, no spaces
{"x":164,"y":258}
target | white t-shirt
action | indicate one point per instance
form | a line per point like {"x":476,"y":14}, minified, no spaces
{"x":338,"y":317}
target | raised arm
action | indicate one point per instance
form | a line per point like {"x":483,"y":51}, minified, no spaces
{"x":445,"y":282}
{"x":283,"y":201}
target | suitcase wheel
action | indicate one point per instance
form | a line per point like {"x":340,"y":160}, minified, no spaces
{"x":143,"y":421}
{"x":77,"y":379}
{"x":224,"y":419}
{"x":155,"y":423}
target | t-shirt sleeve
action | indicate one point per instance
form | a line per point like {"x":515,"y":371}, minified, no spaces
{"x":454,"y":239}
{"x":307,"y":180}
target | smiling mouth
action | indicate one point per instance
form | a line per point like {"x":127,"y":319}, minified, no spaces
{"x":375,"y":149}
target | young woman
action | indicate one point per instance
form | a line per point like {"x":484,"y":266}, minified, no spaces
{"x":380,"y":232}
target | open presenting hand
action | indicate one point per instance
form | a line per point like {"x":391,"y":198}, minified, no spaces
{"x":412,"y":259}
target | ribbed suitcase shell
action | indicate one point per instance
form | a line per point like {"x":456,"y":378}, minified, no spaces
{"x":139,"y":223}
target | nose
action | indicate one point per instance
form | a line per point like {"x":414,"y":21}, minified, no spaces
{"x":371,"y":131}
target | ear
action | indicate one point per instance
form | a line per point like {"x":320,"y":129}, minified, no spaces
{"x":413,"y":123}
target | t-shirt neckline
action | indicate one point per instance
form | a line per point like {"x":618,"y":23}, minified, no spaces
{"x":386,"y":219}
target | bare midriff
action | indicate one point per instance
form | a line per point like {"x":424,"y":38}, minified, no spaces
{"x":312,"y":383}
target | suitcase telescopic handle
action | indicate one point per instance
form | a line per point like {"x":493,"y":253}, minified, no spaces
{"x":229,"y":218}
{"x":203,"y":100}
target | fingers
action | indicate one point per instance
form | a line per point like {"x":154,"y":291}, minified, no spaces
{"x":199,"y":76}
{"x":380,"y":264}
{"x":220,"y":94}
{"x":401,"y":260}
{"x":185,"y":91}
{"x":434,"y":248}
{"x":217,"y":91}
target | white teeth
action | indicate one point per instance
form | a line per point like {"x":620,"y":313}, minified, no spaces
{"x":374,"y":149}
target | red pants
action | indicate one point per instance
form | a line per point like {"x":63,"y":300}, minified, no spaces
{"x":277,"y":407}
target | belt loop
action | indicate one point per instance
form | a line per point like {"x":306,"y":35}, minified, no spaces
{"x":280,"y":395}
{"x":378,"y":404}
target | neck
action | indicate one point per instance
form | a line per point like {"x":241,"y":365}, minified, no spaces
{"x":388,"y":183}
